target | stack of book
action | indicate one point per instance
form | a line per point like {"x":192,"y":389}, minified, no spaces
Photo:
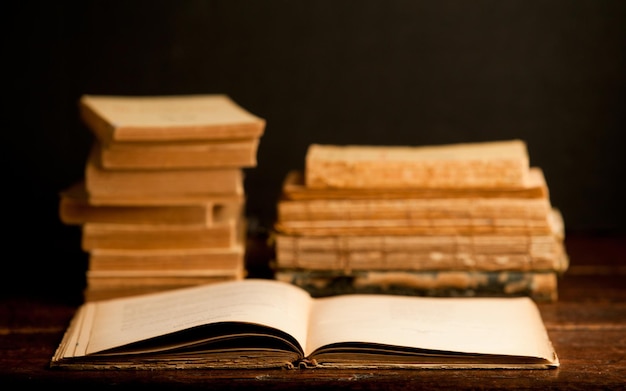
{"x":161,"y":204}
{"x":470,"y":219}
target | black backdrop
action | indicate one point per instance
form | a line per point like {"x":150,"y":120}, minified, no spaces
{"x":363,"y":72}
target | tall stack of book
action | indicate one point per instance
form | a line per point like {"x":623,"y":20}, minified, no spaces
{"x":469,"y":219}
{"x":161,"y":205}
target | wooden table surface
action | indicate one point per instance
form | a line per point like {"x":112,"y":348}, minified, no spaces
{"x":587,"y":326}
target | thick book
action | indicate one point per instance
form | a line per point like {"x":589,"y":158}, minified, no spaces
{"x":76,"y":208}
{"x":271,"y":324}
{"x":541,"y":286}
{"x":403,"y":225}
{"x":179,"y":154}
{"x":294,"y":188}
{"x":482,"y":164}
{"x":289,"y":254}
{"x":115,"y":118}
{"x":113,"y":260}
{"x":159,"y":236}
{"x":159,"y":184}
{"x":460,"y":209}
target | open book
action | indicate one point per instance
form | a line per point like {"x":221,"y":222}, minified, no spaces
{"x":259,"y":323}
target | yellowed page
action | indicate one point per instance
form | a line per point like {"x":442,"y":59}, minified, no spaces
{"x":271,"y":303}
{"x":510,"y":326}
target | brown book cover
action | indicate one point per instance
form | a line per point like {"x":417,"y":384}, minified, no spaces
{"x":294,"y":188}
{"x":240,"y":153}
{"x":402,"y":226}
{"x":413,"y":209}
{"x":168,"y":118}
{"x":225,"y":232}
{"x":75,"y":208}
{"x":159,"y":184}
{"x":166,"y":259}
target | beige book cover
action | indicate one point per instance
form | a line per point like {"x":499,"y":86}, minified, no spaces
{"x":485,"y":164}
{"x":166,"y":259}
{"x":549,"y":224}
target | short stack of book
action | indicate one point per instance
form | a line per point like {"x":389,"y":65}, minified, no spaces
{"x":161,"y":205}
{"x":468,"y":219}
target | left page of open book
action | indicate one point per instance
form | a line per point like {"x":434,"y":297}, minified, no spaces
{"x":113,"y":323}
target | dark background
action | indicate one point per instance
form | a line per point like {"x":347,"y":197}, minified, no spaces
{"x":342,"y":72}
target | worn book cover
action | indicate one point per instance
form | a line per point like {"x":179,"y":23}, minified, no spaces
{"x":485,"y":164}
{"x":394,"y":255}
{"x":403,"y":225}
{"x":294,"y":188}
{"x":101,"y":259}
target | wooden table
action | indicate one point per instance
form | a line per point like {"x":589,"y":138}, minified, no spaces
{"x":587,"y":327}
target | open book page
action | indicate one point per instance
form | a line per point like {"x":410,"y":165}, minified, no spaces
{"x":506,"y":326}
{"x":122,"y":321}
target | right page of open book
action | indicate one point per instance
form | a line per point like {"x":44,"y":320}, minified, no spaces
{"x":501,"y":326}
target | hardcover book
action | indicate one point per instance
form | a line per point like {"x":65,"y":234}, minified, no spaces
{"x":294,"y":188}
{"x":401,"y":225}
{"x":486,"y":164}
{"x":179,"y":154}
{"x":168,"y":118}
{"x":159,"y":184}
{"x":76,"y":207}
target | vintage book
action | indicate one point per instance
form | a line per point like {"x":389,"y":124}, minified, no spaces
{"x":485,"y":164}
{"x":159,"y":236}
{"x":180,"y":154}
{"x":540,"y":286}
{"x":225,"y":232}
{"x":266,"y":324}
{"x":294,"y":188}
{"x":75,"y":208}
{"x":468,"y":244}
{"x":168,"y":118}
{"x":168,"y":259}
{"x":288,"y":255}
{"x":413,"y":209}
{"x":498,"y":225}
{"x":159,"y":184}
